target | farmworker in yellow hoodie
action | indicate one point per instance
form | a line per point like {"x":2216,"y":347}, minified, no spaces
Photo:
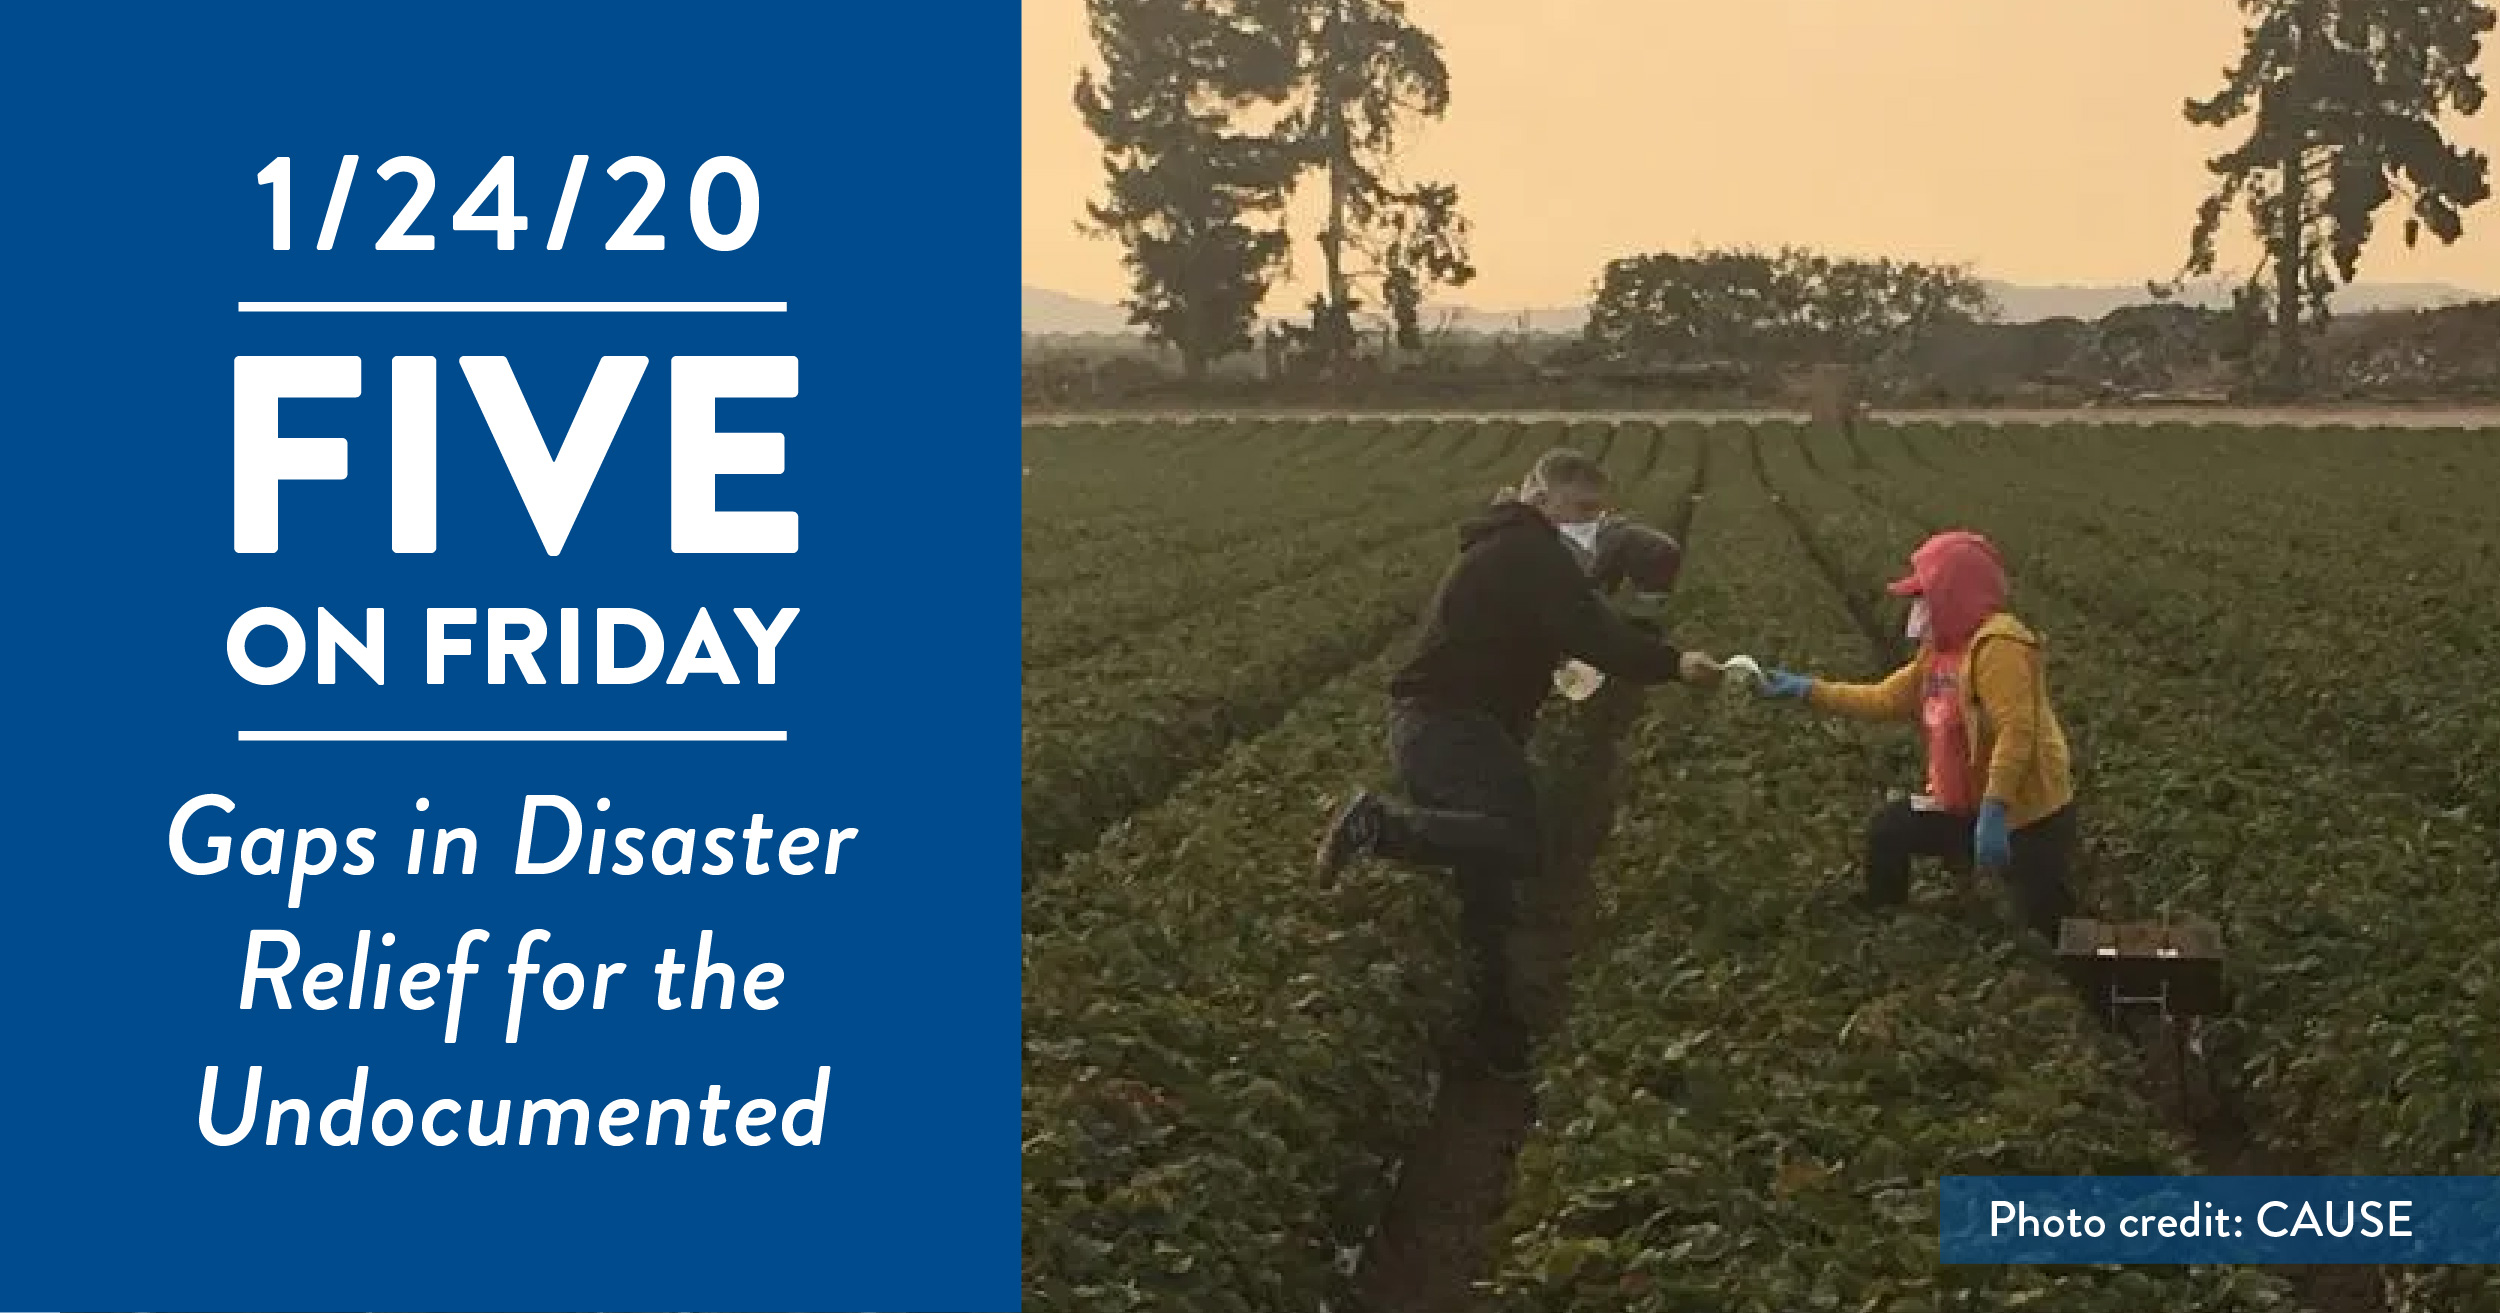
{"x":2000,"y":792}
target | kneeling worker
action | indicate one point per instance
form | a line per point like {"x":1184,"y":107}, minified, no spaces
{"x":2000,"y":792}
{"x":1515,"y":604}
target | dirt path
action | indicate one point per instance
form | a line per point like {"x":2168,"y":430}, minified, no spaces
{"x":2380,"y":416}
{"x":1436,"y":1239}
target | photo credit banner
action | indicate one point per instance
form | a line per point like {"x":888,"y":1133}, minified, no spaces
{"x":2213,"y":1220}
{"x":512,"y":717}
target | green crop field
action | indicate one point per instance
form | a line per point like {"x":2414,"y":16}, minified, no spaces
{"x":2272,"y":647}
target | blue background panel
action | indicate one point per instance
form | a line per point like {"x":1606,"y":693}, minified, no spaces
{"x":879,"y":137}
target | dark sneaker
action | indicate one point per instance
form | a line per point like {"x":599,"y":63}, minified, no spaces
{"x":1353,"y":833}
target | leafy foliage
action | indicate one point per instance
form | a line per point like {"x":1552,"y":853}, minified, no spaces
{"x":1195,"y":188}
{"x":1221,"y":1053}
{"x":1789,"y":307}
{"x":1278,"y":507}
{"x":1193,"y":199}
{"x":1426,"y":245}
{"x":2341,"y":828}
{"x":2343,"y":99}
{"x":1368,"y":72}
{"x":1756,"y":1089}
{"x":1224,"y":1055}
{"x":1117,"y":728}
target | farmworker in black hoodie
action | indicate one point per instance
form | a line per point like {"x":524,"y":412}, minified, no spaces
{"x":1515,"y":604}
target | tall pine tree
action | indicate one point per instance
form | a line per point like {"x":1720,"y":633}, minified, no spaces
{"x":1195,"y":202}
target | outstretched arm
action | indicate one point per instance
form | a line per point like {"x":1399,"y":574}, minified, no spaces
{"x":1895,"y":698}
{"x":1585,"y":627}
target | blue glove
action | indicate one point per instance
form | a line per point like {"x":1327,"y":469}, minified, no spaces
{"x":1991,"y":847}
{"x":1782,"y":684}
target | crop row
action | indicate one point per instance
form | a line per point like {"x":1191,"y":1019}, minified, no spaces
{"x":2392,"y":483}
{"x":1223,"y":1054}
{"x":1757,"y":1088}
{"x":1086,"y":473}
{"x":1431,"y":1243}
{"x":2287,"y":520}
{"x":2366,"y":1030}
{"x":1107,"y":734}
{"x":1083,"y":478}
{"x":1095,"y":484}
{"x":1159,"y":582}
{"x":2375,"y":644}
{"x":1318,"y":478}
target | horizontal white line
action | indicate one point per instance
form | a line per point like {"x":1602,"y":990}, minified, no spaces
{"x":511,"y":735}
{"x":511,"y":307}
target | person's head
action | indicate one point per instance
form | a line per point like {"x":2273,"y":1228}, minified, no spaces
{"x":1567,"y":486}
{"x":1633,"y":553}
{"x":1956,"y":581}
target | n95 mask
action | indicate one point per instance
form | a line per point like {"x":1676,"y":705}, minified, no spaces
{"x":1584,"y":534}
{"x":1916,"y":629}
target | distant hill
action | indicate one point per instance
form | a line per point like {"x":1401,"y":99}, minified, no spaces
{"x":2022,"y":304}
{"x":1046,"y":311}
{"x":1049,"y":312}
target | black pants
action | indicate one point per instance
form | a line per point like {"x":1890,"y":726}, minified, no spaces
{"x":2038,"y":875}
{"x":1471,"y":809}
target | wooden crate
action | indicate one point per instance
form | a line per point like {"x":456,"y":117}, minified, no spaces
{"x":2176,"y":962}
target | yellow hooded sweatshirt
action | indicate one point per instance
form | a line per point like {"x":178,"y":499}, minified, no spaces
{"x":2018,"y":747}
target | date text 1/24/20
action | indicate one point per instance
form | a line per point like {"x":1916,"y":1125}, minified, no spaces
{"x":498,"y":185}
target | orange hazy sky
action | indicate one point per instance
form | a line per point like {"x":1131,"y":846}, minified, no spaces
{"x":2038,"y":142}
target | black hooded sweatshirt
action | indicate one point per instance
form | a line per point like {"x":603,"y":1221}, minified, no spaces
{"x":1510,"y":609}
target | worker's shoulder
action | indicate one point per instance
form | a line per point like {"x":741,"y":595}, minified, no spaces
{"x":1520,"y":543}
{"x":2006,"y":625}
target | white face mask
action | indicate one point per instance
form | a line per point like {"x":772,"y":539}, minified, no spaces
{"x":1916,"y":629}
{"x":1584,"y":534}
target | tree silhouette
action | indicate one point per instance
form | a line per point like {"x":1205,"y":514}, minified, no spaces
{"x":1792,"y":307}
{"x":1195,"y":201}
{"x":2343,"y":99}
{"x":1367,"y":71}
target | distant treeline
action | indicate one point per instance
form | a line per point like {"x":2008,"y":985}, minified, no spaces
{"x":1723,"y":329}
